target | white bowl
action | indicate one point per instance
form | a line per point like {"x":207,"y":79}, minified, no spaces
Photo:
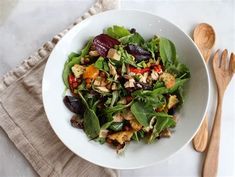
{"x":136,"y":155}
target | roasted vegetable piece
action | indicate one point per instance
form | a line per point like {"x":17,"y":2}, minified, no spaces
{"x":91,"y":72}
{"x":102,"y":43}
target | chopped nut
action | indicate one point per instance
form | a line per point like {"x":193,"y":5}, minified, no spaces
{"x":94,"y":53}
{"x":114,"y":86}
{"x":113,"y":54}
{"x":165,"y":133}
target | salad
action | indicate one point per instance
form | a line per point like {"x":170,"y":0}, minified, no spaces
{"x":124,"y":88}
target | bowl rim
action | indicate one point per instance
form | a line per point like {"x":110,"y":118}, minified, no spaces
{"x":135,"y":11}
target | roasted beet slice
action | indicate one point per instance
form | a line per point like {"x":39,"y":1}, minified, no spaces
{"x":74,"y":104}
{"x":138,"y":52}
{"x":102,"y":43}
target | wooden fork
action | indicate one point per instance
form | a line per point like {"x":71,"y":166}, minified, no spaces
{"x":223,"y":74}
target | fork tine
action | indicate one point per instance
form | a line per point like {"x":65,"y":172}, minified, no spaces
{"x":223,"y":62}
{"x":216,"y":59}
{"x":232,"y":63}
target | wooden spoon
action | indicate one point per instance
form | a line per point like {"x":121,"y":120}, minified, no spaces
{"x":204,"y":37}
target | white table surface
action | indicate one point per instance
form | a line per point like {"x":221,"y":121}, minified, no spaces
{"x":26,"y":24}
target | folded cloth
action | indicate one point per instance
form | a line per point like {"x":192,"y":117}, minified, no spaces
{"x":23,"y":119}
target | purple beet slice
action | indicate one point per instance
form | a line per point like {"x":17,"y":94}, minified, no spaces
{"x":102,"y":43}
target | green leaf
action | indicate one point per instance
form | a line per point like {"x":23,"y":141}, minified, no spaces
{"x":126,"y":57}
{"x":91,"y":121}
{"x":152,"y":46}
{"x":105,"y":65}
{"x":117,"y":31}
{"x":99,"y":64}
{"x":73,"y":61}
{"x":167,"y":51}
{"x":142,"y":112}
{"x":179,"y":70}
{"x":164,"y":90}
{"x":135,"y":137}
{"x":116,"y":126}
{"x":101,"y":140}
{"x":111,"y":110}
{"x":106,"y":125}
{"x":72,"y":55}
{"x":163,"y":121}
{"x":155,"y":101}
{"x":91,"y":124}
{"x":135,"y":38}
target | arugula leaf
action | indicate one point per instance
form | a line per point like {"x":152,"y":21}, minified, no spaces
{"x":75,"y":60}
{"x":106,"y":125}
{"x":142,"y":112}
{"x":112,"y":110}
{"x":117,"y":31}
{"x":126,"y":57}
{"x":155,"y":101}
{"x":163,"y":121}
{"x":135,"y":38}
{"x":179,"y":70}
{"x":167,"y":51}
{"x":116,"y":126}
{"x":152,"y":46}
{"x":137,"y":136}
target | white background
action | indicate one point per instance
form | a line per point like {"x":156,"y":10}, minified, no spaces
{"x":26,"y":24}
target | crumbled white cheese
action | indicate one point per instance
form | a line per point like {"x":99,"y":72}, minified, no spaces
{"x":129,"y":83}
{"x":78,"y":70}
{"x":154,"y":75}
{"x":143,"y":78}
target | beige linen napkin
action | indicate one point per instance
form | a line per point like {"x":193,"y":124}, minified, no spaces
{"x":23,"y":118}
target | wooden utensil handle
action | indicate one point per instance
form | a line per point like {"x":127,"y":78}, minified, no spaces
{"x":211,"y":160}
